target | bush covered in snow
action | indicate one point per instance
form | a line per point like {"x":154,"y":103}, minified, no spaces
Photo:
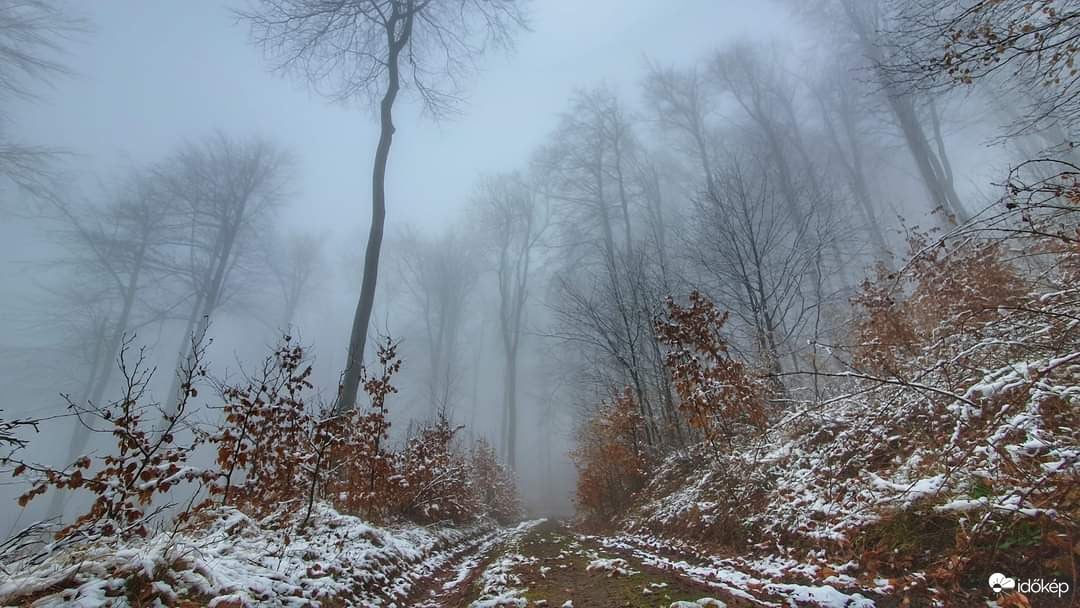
{"x":273,"y":521}
{"x":228,"y":559}
{"x":943,"y":442}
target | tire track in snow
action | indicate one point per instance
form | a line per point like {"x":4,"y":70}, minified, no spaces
{"x":732,"y":577}
{"x":453,"y":572}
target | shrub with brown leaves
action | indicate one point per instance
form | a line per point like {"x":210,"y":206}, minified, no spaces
{"x":610,"y":459}
{"x":494,"y":484}
{"x":274,"y":455}
{"x":364,"y":466}
{"x":436,"y":482}
{"x":717,"y":394}
{"x":262,"y":441}
{"x":948,"y":294}
{"x":147,"y":463}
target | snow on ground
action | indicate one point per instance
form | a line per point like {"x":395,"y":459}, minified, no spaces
{"x":233,"y":561}
{"x":500,"y":586}
{"x":1002,"y":449}
{"x":733,"y":576}
{"x":472,"y":560}
{"x":705,"y":602}
{"x":612,"y":567}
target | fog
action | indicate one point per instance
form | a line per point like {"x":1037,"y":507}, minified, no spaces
{"x":146,"y":86}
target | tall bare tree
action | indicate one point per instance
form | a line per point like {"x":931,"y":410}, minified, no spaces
{"x":515,"y":218}
{"x":1025,"y":50}
{"x":222,"y":187}
{"x":840,"y":113}
{"x":758,"y":260}
{"x":587,"y":167}
{"x":757,"y":86}
{"x":373,"y":49}
{"x":865,"y":22}
{"x":681,"y":102}
{"x":294,"y":263}
{"x":440,"y":275}
{"x":591,"y":167}
{"x":116,"y":254}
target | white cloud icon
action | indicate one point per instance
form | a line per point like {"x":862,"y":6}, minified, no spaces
{"x":999,"y":582}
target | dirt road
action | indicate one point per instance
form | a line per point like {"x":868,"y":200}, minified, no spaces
{"x":544,"y":563}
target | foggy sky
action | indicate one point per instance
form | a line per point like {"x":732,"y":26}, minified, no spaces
{"x":154,"y":73}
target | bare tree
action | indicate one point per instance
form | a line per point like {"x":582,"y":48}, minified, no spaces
{"x":1021,"y":48}
{"x":588,"y":165}
{"x":440,"y":274}
{"x":31,"y":36}
{"x":657,"y":278}
{"x":681,"y":102}
{"x":350,"y":50}
{"x":754,"y":82}
{"x":839,"y":107}
{"x":605,"y":313}
{"x":760,"y":262}
{"x":294,"y":264}
{"x":593,"y":168}
{"x":222,"y":187}
{"x":757,"y":82}
{"x":865,"y":20}
{"x":115,"y":256}
{"x":515,"y":219}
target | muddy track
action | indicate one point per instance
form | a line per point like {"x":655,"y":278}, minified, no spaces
{"x":448,"y":585}
{"x":548,"y":564}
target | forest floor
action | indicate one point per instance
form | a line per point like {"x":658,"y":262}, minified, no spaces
{"x":546,"y":563}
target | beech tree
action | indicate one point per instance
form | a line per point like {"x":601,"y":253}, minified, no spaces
{"x":440,"y":275}
{"x":746,"y":74}
{"x":116,"y":253}
{"x":759,"y":261}
{"x":840,"y":112}
{"x":718,"y":394}
{"x":222,"y":186}
{"x":589,"y":169}
{"x":515,"y":217}
{"x":294,"y":261}
{"x":864,"y":22}
{"x":681,"y":102}
{"x":586,"y":166}
{"x":372,"y":50}
{"x":610,"y":459}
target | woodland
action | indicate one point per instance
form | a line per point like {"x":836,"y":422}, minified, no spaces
{"x":793,"y":323}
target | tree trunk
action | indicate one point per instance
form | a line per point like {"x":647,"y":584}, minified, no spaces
{"x":511,"y":410}
{"x":944,"y":168}
{"x":209,"y":303}
{"x":78,"y":432}
{"x":605,"y":216}
{"x":860,"y":186}
{"x":624,"y":202}
{"x":174,"y":388}
{"x":80,"y":435}
{"x":903,"y":107}
{"x":350,"y":382}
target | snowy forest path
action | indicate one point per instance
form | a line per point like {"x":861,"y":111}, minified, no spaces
{"x":448,"y":585}
{"x":546,"y":563}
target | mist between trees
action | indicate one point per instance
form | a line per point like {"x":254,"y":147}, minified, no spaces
{"x":856,"y":216}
